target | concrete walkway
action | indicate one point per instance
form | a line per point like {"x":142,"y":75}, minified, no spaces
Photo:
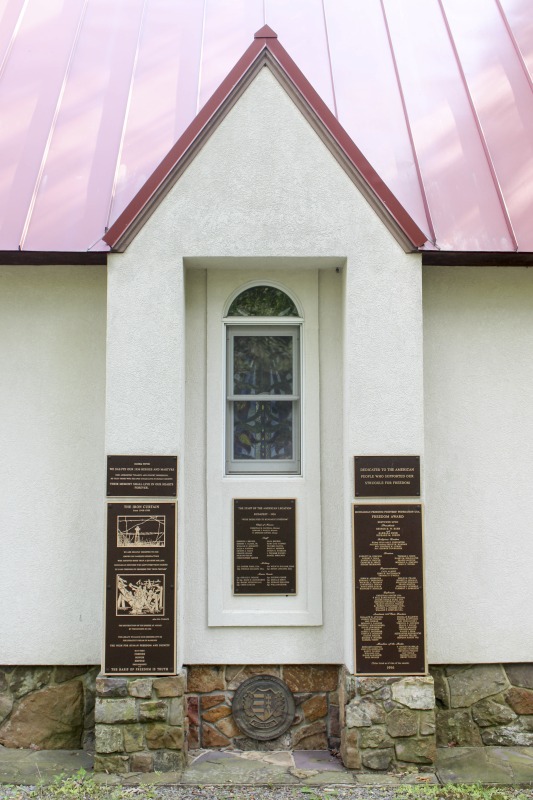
{"x":501,"y":765}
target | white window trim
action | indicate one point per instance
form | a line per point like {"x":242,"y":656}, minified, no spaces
{"x":258,"y":327}
{"x":225,"y":608}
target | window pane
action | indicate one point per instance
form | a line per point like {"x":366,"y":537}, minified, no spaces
{"x":263,"y":301}
{"x":263,"y":365}
{"x":262,"y":430}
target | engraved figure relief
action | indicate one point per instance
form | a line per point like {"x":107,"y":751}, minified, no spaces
{"x":136,"y":530}
{"x":140,"y":596}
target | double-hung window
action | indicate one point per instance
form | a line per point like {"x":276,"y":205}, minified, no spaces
{"x":263,"y":401}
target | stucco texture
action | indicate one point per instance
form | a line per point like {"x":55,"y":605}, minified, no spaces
{"x":263,"y":187}
{"x":52,"y":335}
{"x":478,"y":341}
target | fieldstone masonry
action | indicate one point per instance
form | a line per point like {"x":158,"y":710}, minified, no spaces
{"x":47,"y":707}
{"x":210,"y":691}
{"x":145,"y":724}
{"x":388,"y":722}
{"x":488,"y":704}
{"x":140,"y":724}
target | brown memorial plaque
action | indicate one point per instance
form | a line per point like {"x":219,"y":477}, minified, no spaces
{"x":142,"y":476}
{"x":387,"y":476}
{"x":264,"y":547}
{"x":389,"y":591}
{"x":140,"y":605}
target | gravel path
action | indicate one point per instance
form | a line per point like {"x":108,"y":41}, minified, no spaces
{"x":247,"y":793}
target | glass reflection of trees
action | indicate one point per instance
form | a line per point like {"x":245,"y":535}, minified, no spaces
{"x":263,"y":301}
{"x":263,"y":365}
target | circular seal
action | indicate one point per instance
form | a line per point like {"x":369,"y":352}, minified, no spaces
{"x":263,"y":707}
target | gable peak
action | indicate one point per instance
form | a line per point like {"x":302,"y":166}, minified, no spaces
{"x":265,"y":32}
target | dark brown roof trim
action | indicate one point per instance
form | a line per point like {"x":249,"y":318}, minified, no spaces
{"x":265,"y":49}
{"x":43,"y":257}
{"x":443,"y":258}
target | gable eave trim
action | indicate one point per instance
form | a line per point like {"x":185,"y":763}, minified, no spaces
{"x":266,"y":52}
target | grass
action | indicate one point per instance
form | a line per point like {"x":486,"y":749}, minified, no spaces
{"x":463,"y":791}
{"x":80,"y":786}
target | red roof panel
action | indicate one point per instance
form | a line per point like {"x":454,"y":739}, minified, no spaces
{"x":265,"y":49}
{"x":436,"y":93}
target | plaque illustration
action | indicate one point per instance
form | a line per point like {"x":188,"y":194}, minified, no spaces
{"x":140,"y":530}
{"x":140,"y":596}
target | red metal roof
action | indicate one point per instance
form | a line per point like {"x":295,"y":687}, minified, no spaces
{"x":436,"y":94}
{"x":265,"y":50}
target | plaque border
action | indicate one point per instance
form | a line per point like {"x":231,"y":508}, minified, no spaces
{"x":148,"y":501}
{"x":264,"y":594}
{"x":389,"y":673}
{"x":139,"y":497}
{"x":382,"y":496}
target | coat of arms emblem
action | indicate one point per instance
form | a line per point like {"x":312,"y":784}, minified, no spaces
{"x":263,"y":707}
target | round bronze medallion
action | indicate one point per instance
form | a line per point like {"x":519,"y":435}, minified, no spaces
{"x":263,"y":707}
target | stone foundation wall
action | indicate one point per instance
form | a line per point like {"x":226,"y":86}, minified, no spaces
{"x":388,"y":722}
{"x":210,"y":692}
{"x":145,"y":724}
{"x":140,"y":724}
{"x":489,"y":704}
{"x":47,"y":708}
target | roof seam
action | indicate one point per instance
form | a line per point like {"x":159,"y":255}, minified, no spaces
{"x":201,"y":64}
{"x":266,"y":47}
{"x":479,"y":127}
{"x":343,"y":141}
{"x":423,"y":194}
{"x":165,"y":167}
{"x":330,"y":62}
{"x":51,"y":132}
{"x":515,"y":44}
{"x":16,"y":29}
{"x":126,"y":116}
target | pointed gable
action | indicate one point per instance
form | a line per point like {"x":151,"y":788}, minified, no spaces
{"x":266,"y":51}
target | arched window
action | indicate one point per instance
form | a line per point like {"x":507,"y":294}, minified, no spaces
{"x":263,"y":301}
{"x":263,"y":383}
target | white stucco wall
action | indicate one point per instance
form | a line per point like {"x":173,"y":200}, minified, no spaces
{"x":478,"y":345}
{"x":264,"y":186}
{"x":52,"y":362}
{"x":264,"y":192}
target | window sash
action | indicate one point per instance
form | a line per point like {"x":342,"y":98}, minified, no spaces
{"x":258,"y":465}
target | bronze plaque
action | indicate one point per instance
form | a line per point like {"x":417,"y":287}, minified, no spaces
{"x":389,"y":590}
{"x":263,"y":707}
{"x":387,"y":476}
{"x":264,"y":547}
{"x":140,"y":605}
{"x":142,"y":476}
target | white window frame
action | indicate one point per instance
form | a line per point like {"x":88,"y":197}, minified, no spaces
{"x":224,"y":608}
{"x":264,"y":326}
